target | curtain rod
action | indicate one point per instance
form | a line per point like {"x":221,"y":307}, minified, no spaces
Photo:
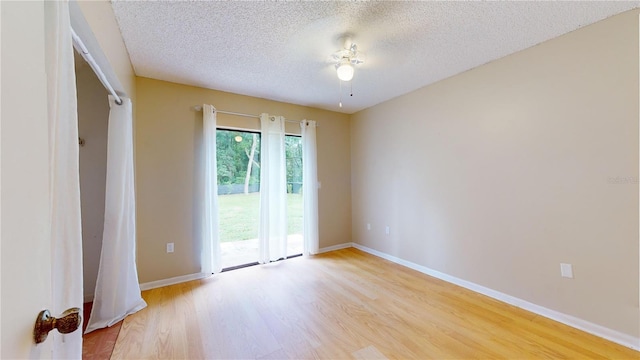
{"x":199,"y":108}
{"x":79,"y":45}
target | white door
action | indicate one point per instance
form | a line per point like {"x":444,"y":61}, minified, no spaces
{"x":25,"y":258}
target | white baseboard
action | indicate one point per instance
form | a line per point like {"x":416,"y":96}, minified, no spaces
{"x":335,"y":247}
{"x":88,"y":298}
{"x":595,"y":329}
{"x":184,"y":278}
{"x":172,"y":281}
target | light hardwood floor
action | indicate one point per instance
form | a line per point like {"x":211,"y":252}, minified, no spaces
{"x":340,"y":305}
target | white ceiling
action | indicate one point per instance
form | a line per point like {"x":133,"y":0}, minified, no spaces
{"x":281,"y":50}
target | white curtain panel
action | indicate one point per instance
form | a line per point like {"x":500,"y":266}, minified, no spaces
{"x":272,"y":233}
{"x":117,"y":291}
{"x":309,"y":188}
{"x":66,"y":233}
{"x":211,"y":253}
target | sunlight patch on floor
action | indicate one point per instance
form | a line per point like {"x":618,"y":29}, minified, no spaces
{"x":246,"y":251}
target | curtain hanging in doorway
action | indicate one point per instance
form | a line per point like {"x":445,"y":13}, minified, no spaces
{"x":310,"y":188}
{"x":117,"y":291}
{"x":272,"y":233}
{"x":66,"y":233}
{"x":211,"y":253}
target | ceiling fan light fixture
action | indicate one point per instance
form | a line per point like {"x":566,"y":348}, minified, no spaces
{"x":345,"y":61}
{"x":345,"y":71}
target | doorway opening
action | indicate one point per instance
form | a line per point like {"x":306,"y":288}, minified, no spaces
{"x":93,"y":126}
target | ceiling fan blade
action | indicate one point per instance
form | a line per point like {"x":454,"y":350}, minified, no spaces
{"x":358,"y":58}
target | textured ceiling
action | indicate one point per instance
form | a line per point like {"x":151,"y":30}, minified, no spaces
{"x":281,"y":50}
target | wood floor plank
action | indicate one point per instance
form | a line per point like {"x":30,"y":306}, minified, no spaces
{"x":369,"y":353}
{"x":340,"y":305}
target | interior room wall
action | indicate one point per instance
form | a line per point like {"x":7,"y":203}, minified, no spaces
{"x":100,"y":17}
{"x":498,"y":175}
{"x":168,"y":150}
{"x":93,"y":123}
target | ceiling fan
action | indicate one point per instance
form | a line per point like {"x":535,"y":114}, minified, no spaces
{"x":346,"y":58}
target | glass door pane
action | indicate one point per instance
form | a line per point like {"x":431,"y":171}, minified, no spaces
{"x":293,"y":151}
{"x":238,"y":157}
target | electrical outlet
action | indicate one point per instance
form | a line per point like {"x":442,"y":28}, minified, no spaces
{"x":387,"y":230}
{"x":566,"y":270}
{"x":368,"y":226}
{"x":169,"y":247}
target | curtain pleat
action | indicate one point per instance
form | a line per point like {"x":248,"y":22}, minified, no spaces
{"x":117,"y":292}
{"x":309,"y":188}
{"x":65,"y":230}
{"x":272,"y":233}
{"x":211,"y":253}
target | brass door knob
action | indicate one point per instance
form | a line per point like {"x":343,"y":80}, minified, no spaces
{"x":68,"y":322}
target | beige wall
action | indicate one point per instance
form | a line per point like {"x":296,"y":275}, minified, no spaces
{"x":100,"y":17}
{"x":93,"y":123}
{"x":499,"y":174}
{"x":168,"y":144}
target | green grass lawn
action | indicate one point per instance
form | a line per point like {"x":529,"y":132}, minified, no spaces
{"x":239,"y":214}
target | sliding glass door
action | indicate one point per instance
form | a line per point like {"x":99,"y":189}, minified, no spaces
{"x":238,"y":159}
